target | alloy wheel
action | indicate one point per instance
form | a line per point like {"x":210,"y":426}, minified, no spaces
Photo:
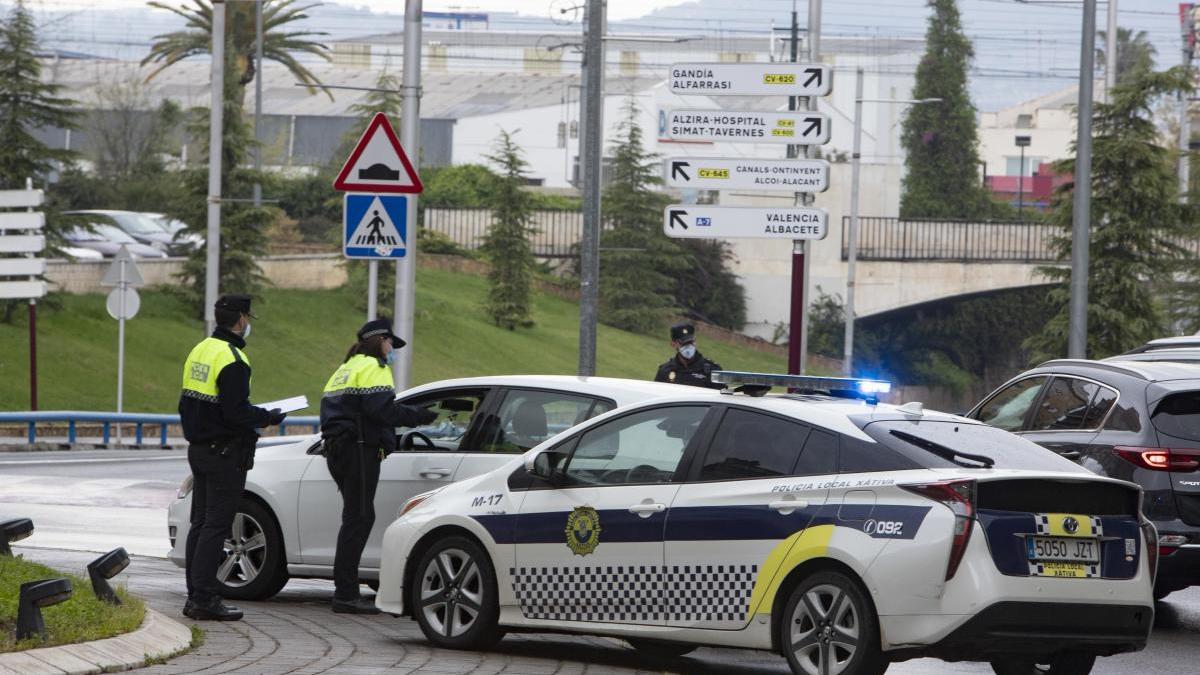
{"x":824,"y":630}
{"x":451,"y":592}
{"x":245,"y":552}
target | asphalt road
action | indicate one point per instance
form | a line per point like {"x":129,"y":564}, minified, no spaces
{"x":97,"y":500}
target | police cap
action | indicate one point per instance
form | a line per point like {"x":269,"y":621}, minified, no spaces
{"x":683,"y":332}
{"x":380,"y":326}
{"x":236,"y":303}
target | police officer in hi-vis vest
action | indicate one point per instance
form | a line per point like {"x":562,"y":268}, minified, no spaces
{"x":687,"y":366}
{"x":220,"y":426}
{"x":359,"y":416}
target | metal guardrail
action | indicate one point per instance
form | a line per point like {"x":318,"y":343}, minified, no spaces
{"x":893,"y":239}
{"x":108,"y":419}
{"x":555,"y":235}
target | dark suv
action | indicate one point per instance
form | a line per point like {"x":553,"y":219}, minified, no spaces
{"x":1134,"y":420}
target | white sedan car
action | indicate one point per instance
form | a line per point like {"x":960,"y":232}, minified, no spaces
{"x":288,"y":521}
{"x":840,"y":533}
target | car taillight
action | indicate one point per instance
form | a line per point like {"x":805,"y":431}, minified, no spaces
{"x":959,"y":497}
{"x":1150,"y":537}
{"x":1160,"y":459}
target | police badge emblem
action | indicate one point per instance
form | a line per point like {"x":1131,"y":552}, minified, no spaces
{"x":583,"y":530}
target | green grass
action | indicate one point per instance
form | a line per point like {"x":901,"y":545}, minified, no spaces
{"x":80,"y":619}
{"x":301,"y":337}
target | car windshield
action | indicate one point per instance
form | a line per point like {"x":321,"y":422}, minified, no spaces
{"x":136,"y":223}
{"x":949,"y":444}
{"x":169,"y":224}
{"x":105,"y":232}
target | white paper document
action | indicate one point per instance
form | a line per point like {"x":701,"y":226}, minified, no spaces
{"x":286,"y":405}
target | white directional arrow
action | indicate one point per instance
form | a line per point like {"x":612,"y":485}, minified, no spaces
{"x":696,"y":221}
{"x":727,"y":173}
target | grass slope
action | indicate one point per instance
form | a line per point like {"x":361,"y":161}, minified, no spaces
{"x":300,"y":339}
{"x":82,"y":618}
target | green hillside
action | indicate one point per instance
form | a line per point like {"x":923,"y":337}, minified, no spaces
{"x":301,"y":336}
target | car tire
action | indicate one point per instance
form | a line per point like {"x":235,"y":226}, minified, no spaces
{"x":254,"y":567}
{"x":661,"y":648}
{"x":454,"y":596}
{"x":1063,"y":664}
{"x":828,"y":618}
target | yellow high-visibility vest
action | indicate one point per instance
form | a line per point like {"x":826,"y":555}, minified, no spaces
{"x":204,"y":364}
{"x":361,"y":375}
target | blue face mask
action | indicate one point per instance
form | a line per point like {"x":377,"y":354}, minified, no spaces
{"x":246,"y":333}
{"x":688,"y":351}
{"x":393,"y":356}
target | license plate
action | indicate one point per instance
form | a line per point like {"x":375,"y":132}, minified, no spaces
{"x":1062,"y":569}
{"x":1063,"y":549}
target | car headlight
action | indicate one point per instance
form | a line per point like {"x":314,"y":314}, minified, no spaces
{"x":185,"y":488}
{"x":416,"y":501}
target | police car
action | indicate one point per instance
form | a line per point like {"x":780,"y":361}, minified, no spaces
{"x":841,"y":533}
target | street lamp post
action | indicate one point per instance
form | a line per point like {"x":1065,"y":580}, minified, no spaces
{"x":1022,"y":143}
{"x":852,"y":234}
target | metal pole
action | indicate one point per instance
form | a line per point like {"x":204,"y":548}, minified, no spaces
{"x":373,"y":288}
{"x":590,"y":165}
{"x":33,"y":393}
{"x":1110,"y":52}
{"x":1185,"y":122}
{"x":1077,"y":332}
{"x":216,"y":119}
{"x":852,"y":238}
{"x":814,"y":56}
{"x":258,"y":80}
{"x":122,"y":284}
{"x":796,"y":310}
{"x":410,"y":138}
{"x":1021,"y":186}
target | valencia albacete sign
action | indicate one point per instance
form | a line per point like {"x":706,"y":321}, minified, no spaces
{"x":695,"y":221}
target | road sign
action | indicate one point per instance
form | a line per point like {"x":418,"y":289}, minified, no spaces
{"x":22,"y":220}
{"x":374,"y":226}
{"x":695,"y":221}
{"x":22,"y":267}
{"x":133,"y":276}
{"x":751,"y":79}
{"x":22,"y":290}
{"x":748,"y":126}
{"x":727,"y":173}
{"x":378,"y":163}
{"x":123,"y":310}
{"x":24,"y":243}
{"x":12,"y":199}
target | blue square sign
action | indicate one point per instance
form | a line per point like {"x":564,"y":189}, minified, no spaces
{"x":374,"y":226}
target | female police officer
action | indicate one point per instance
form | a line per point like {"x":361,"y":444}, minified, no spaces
{"x":359,"y":416}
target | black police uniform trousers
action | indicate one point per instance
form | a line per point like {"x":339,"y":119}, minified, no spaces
{"x":217,"y":485}
{"x":356,"y":471}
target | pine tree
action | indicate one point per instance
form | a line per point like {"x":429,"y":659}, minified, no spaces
{"x":1136,"y":224}
{"x":507,"y":243}
{"x":26,"y":104}
{"x":941,"y":139}
{"x":636,"y":280}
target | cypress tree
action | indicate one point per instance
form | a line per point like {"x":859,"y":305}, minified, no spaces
{"x":941,"y":139}
{"x":507,"y":242}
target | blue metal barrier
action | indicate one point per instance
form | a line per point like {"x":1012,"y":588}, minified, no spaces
{"x":107,"y":419}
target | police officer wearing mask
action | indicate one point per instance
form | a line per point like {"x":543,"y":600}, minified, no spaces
{"x":220,"y":426}
{"x":359,"y":416}
{"x":688,"y":366}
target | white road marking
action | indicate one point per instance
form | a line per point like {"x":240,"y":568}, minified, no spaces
{"x":91,"y":461}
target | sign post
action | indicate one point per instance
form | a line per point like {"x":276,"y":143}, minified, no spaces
{"x":20,"y":277}
{"x":123,"y":303}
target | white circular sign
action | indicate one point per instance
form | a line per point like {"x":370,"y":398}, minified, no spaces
{"x":132,"y":303}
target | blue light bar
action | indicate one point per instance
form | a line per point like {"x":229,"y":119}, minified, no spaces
{"x":812,"y":382}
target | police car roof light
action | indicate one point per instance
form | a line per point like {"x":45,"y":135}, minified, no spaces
{"x":836,"y":386}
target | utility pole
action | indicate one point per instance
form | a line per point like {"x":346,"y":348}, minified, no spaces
{"x":1081,"y":221}
{"x":216,"y":116}
{"x":798,"y":331}
{"x":1185,"y":122}
{"x":852,"y":238}
{"x":590,"y":164}
{"x":1110,"y":52}
{"x":258,"y":79}
{"x":410,"y":138}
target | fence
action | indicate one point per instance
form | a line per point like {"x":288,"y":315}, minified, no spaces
{"x":556,"y":232}
{"x":950,"y":240}
{"x":106,"y":420}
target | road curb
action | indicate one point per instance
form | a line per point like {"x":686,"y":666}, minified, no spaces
{"x":158,"y":637}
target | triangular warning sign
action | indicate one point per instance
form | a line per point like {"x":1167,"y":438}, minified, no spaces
{"x":378,"y":163}
{"x":133,"y":276}
{"x":375,"y":230}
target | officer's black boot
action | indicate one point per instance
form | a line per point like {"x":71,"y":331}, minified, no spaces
{"x":358,"y":605}
{"x":211,"y":610}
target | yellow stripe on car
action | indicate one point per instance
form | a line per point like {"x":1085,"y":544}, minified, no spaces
{"x":801,"y":547}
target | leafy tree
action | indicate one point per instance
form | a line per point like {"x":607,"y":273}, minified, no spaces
{"x":827,"y":325}
{"x":638,"y":262}
{"x":27,"y":103}
{"x":941,"y":139}
{"x":1136,"y":222}
{"x":1135,"y":53}
{"x":507,"y":243}
{"x":707,"y":289}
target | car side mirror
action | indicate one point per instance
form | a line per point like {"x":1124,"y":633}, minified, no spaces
{"x":544,"y":465}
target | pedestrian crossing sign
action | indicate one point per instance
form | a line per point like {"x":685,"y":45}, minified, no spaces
{"x":374,"y":226}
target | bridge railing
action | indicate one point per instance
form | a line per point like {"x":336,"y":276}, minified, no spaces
{"x":893,"y":239}
{"x":107,"y":420}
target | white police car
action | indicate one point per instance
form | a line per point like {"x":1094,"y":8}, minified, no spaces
{"x":840,"y":533}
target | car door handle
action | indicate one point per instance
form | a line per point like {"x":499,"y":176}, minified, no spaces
{"x":435,"y":473}
{"x":788,"y":505}
{"x":646,"y":510}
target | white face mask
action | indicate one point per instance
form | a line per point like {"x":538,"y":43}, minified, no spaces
{"x":688,"y":351}
{"x":246,"y":332}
